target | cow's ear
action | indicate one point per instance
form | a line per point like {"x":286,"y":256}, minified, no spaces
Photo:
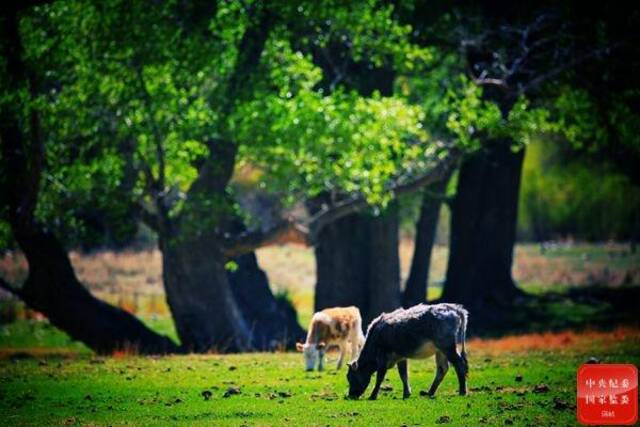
{"x":299,"y":346}
{"x":321,"y":345}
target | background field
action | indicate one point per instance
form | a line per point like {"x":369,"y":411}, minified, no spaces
{"x":582,"y":285}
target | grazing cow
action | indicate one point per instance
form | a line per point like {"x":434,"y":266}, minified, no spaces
{"x":415,"y":333}
{"x":332,"y":327}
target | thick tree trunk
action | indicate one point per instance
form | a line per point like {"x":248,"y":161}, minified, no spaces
{"x":198,"y":293}
{"x":53,"y":289}
{"x":357,"y":264}
{"x":417,"y":283}
{"x":483,"y":228}
{"x":383,"y":262}
{"x":273,"y":323}
{"x":341,"y":264}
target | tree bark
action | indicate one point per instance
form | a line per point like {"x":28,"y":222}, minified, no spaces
{"x":358,"y":264}
{"x":273,"y":322}
{"x":341,"y":264}
{"x":483,"y":228}
{"x":384,"y":262}
{"x":418,"y":281}
{"x":198,"y":293}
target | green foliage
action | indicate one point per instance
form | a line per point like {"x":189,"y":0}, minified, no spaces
{"x":340,"y":142}
{"x":131,"y":97}
{"x":575,"y":198}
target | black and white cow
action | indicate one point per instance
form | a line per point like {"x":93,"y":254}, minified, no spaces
{"x":414,"y":333}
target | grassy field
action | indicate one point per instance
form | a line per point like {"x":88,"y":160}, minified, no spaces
{"x":526,"y":380}
{"x":582,"y":292}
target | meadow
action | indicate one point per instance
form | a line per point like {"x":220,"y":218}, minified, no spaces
{"x":586,"y":299}
{"x":526,"y":380}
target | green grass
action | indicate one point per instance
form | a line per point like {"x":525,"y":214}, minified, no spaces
{"x":39,"y":335}
{"x":276,"y":391}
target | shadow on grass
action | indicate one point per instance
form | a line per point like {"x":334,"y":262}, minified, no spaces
{"x":577,"y":308}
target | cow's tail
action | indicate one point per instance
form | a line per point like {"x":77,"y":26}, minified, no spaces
{"x":462,"y":335}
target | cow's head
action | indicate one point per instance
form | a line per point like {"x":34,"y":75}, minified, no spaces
{"x":311,"y":352}
{"x":359,"y":378}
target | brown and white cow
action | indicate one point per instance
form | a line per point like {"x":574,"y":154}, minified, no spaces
{"x":332,"y":327}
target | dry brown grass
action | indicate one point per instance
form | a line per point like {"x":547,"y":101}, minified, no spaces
{"x":133,"y":279}
{"x":553,"y":341}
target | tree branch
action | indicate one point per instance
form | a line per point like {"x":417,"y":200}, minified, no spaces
{"x":307,"y":233}
{"x":286,"y":231}
{"x":150,"y":219}
{"x":567,"y":65}
{"x":486,"y":81}
{"x":157,"y":135}
{"x":346,"y":207}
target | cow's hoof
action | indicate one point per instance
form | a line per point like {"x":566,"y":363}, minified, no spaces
{"x":406,"y":396}
{"x":463,"y":392}
{"x":373,"y":397}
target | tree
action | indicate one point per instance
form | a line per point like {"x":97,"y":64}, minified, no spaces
{"x":415,"y":291}
{"x":128,"y":122}
{"x":357,"y":255}
{"x":518,"y":56}
{"x":125,"y":85}
{"x":51,"y":286}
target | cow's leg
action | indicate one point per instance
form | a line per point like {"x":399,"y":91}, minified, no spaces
{"x":459,"y":365}
{"x":320,"y":360}
{"x":442,"y":366}
{"x":382,"y":371}
{"x":404,"y":376}
{"x":343,"y":350}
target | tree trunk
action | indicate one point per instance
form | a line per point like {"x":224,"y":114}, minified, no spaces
{"x":383,"y":262}
{"x":198,"y":293}
{"x":416,"y":287}
{"x":273,"y":322}
{"x":357,"y":264}
{"x":52,"y":287}
{"x":214,"y":308}
{"x":341,"y":264}
{"x":483,"y":228}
